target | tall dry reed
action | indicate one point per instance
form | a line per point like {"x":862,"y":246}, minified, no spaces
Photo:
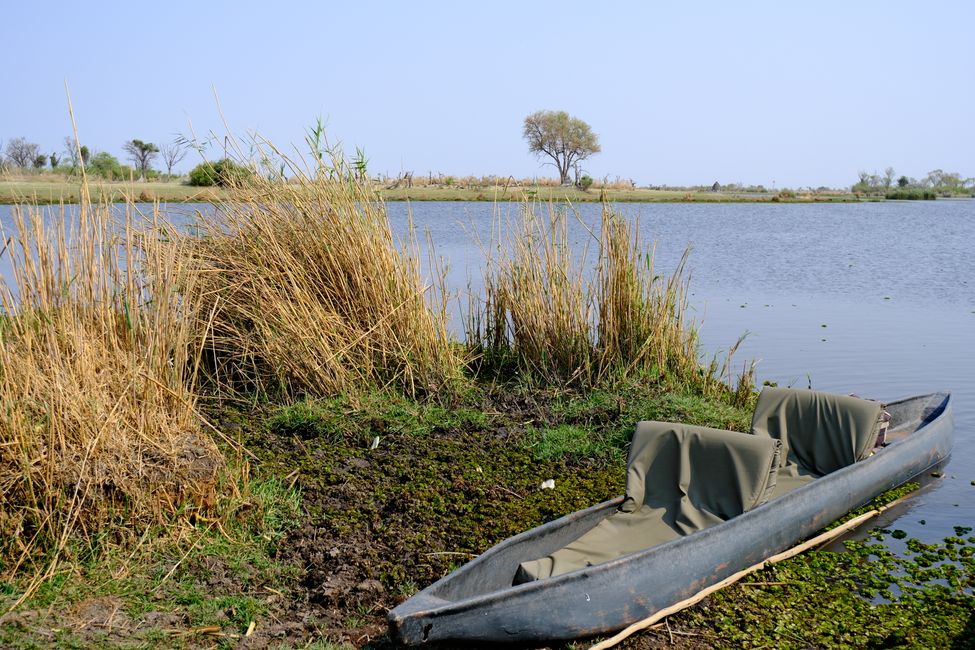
{"x":564,"y":319}
{"x":537,"y":302}
{"x":97,"y":411}
{"x":306,"y":292}
{"x":642,"y":325}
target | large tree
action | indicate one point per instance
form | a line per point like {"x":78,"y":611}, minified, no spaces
{"x":141,"y":153}
{"x":22,"y":153}
{"x":565,"y":139}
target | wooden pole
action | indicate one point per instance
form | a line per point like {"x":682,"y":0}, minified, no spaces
{"x":818,"y":540}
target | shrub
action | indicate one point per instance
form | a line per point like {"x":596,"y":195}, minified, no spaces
{"x":224,"y":173}
{"x":911,"y":195}
{"x":585,"y":183}
{"x":105,"y":165}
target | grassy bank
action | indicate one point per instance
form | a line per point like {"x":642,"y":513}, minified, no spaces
{"x":56,"y":189}
{"x":575,"y":195}
{"x":259,"y":434}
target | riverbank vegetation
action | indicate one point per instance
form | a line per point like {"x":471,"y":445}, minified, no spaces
{"x":916,"y":194}
{"x":258,"y":431}
{"x":97,"y":386}
{"x":936,"y":183}
{"x":53,"y":189}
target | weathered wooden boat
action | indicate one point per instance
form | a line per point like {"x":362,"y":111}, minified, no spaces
{"x":701,"y":504}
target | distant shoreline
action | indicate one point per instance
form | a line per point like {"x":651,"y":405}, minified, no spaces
{"x":53,"y":192}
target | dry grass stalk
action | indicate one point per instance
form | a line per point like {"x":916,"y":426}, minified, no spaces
{"x":308,"y":292}
{"x":564,"y":322}
{"x":537,"y":301}
{"x":96,"y":414}
{"x":642,"y":326}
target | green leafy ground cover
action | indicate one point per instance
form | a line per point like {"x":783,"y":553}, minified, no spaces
{"x":357,"y":503}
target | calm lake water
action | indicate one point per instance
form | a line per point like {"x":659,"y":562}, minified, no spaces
{"x":872,"y":298}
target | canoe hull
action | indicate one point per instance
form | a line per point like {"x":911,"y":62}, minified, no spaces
{"x":478,"y":603}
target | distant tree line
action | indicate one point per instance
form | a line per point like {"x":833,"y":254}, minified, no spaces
{"x":937,"y":183}
{"x":26,"y":156}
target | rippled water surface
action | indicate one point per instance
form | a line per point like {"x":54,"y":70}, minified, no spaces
{"x":872,"y":298}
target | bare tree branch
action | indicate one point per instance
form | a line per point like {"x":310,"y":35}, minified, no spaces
{"x":173,"y":154}
{"x":22,"y":153}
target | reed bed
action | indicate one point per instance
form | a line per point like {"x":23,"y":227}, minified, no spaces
{"x":98,"y":429}
{"x":306,"y":293}
{"x":294,"y":287}
{"x":565,"y":321}
{"x":642,"y":326}
{"x":537,"y":303}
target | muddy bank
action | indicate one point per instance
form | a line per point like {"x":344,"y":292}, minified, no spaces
{"x":397,"y":494}
{"x":392,"y":494}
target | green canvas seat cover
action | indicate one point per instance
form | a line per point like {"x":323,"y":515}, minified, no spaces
{"x":680,"y":479}
{"x":820,"y":432}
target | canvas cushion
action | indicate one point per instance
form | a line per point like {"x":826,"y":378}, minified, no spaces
{"x":680,"y":479}
{"x":820,"y":432}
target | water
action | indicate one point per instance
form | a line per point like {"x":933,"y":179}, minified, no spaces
{"x":872,"y":298}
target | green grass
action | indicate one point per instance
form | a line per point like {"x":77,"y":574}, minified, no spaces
{"x":569,"y":441}
{"x":207,"y":575}
{"x":359,"y":420}
{"x":597,"y":424}
{"x":325,"y":645}
{"x":54,"y":190}
{"x":576,"y":424}
{"x":911,"y":195}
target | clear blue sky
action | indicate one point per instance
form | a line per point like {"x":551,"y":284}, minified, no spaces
{"x":679,"y":93}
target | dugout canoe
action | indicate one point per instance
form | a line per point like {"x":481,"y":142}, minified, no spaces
{"x":481,"y":602}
